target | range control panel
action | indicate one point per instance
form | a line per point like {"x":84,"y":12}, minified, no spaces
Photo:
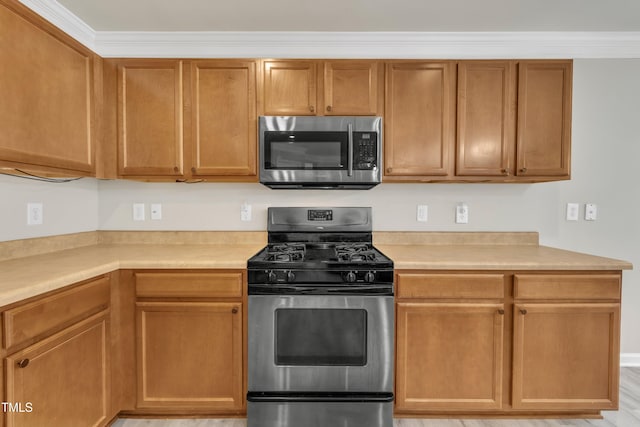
{"x":365,"y":150}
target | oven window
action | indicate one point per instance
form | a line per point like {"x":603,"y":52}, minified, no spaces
{"x":321,"y":337}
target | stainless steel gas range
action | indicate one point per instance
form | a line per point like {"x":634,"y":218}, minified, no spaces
{"x":321,"y":322}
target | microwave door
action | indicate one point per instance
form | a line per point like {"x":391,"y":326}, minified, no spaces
{"x":307,"y":151}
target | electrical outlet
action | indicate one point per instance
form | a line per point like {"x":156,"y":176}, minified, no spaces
{"x":245,"y":212}
{"x":35,"y":214}
{"x":462,"y":213}
{"x":138,"y":212}
{"x":156,"y":211}
{"x":422,"y":214}
{"x":573,"y":211}
{"x":590,"y":212}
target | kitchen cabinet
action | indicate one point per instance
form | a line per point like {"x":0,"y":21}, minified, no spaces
{"x":48,"y":88}
{"x":60,"y":343}
{"x":150,"y":118}
{"x":486,"y":118}
{"x":544,"y":119}
{"x":332,"y":87}
{"x":223,"y":140}
{"x":566,"y":342}
{"x":190,"y":342}
{"x":186,"y":120}
{"x":419,"y":120}
{"x":506,"y":343}
{"x":449,"y":342}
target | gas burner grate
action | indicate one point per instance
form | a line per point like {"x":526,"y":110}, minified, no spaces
{"x":355,"y":252}
{"x":286,"y":252}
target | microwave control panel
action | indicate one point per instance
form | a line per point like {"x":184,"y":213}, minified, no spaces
{"x":365,"y":150}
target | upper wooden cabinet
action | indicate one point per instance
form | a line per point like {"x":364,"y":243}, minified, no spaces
{"x":185,"y":120}
{"x":419,"y":120}
{"x":223,"y":118}
{"x":150,"y":118}
{"x":544,"y":118}
{"x":332,"y":88}
{"x":486,"y":118}
{"x":47,"y":97}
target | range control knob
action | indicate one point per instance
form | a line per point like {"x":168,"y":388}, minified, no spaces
{"x":351,"y":277}
{"x":369,"y":276}
{"x":271,"y":276}
{"x":290,"y":276}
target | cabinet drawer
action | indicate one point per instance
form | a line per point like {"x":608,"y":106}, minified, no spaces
{"x":190,"y":285}
{"x":481,"y":286}
{"x":575,"y":286}
{"x":52,"y":313}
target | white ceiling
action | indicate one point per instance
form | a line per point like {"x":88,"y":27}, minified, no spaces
{"x":358,"y":15}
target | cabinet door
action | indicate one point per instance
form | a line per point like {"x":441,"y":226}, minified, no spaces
{"x":419,"y":117}
{"x":289,"y":88}
{"x":449,"y":356}
{"x":46,"y":97}
{"x":486,"y":118}
{"x":190,"y":355}
{"x":351,"y":88}
{"x":150,"y":119}
{"x":65,"y":378}
{"x":566,"y":356}
{"x":224,"y":119}
{"x":544,"y":118}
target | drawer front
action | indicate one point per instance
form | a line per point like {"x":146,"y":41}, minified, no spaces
{"x":475,"y":286}
{"x":50,"y":314}
{"x":572,"y":286}
{"x":190,"y":285}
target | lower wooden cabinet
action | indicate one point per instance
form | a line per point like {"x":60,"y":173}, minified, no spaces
{"x":190,"y":355}
{"x":449,"y":356}
{"x":549,"y":345}
{"x":62,"y":380}
{"x":190,"y":341}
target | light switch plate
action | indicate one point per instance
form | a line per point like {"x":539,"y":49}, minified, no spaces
{"x":138,"y":212}
{"x":245,"y":212}
{"x":156,"y":211}
{"x":422,"y":213}
{"x":573,"y":211}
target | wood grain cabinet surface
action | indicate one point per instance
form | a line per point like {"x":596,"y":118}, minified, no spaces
{"x":550,"y":344}
{"x":322,"y":87}
{"x":47,"y":96}
{"x":190,"y":347}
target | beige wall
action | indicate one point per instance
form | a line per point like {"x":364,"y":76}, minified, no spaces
{"x":605,"y":154}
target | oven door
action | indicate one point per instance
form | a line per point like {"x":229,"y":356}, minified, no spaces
{"x":320,"y":343}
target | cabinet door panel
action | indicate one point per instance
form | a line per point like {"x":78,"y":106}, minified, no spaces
{"x":449,"y":356}
{"x":544,"y":118}
{"x":419,"y":113}
{"x":190,"y":355}
{"x":224,"y":118}
{"x":66,"y":379}
{"x":351,"y":88}
{"x":46,"y":106}
{"x":150,"y":119}
{"x":566,"y":356}
{"x":290,"y":88}
{"x":486,"y":118}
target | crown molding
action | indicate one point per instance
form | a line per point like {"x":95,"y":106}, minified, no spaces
{"x":407,"y":45}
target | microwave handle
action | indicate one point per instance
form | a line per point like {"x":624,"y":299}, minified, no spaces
{"x":350,"y":166}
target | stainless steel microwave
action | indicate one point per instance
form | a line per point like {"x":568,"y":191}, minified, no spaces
{"x":320,"y":152}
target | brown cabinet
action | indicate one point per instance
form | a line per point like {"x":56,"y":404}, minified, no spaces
{"x":47,"y":99}
{"x":57,"y":358}
{"x":190,"y":353}
{"x":486,"y":118}
{"x":332,"y":88}
{"x":419,"y":120}
{"x":186,"y":120}
{"x":150,"y":118}
{"x":566,"y":342}
{"x":449,"y":342}
{"x":223,"y":120}
{"x":544,"y":118}
{"x":457,"y":332}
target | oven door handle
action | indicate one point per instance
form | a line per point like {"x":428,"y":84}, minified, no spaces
{"x":350,"y":160}
{"x":319,"y":397}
